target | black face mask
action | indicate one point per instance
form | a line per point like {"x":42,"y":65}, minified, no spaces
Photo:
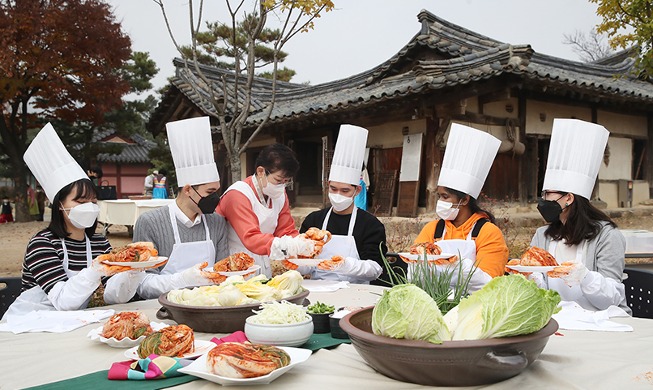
{"x":208,"y":203}
{"x":549,"y":209}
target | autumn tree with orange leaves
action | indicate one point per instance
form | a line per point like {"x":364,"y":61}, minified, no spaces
{"x":59,"y":59}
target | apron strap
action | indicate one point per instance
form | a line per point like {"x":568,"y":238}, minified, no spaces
{"x":175,"y":228}
{"x":352,"y":220}
{"x":89,"y":255}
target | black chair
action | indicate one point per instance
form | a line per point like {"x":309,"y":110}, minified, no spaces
{"x":10,"y":289}
{"x":639,"y":286}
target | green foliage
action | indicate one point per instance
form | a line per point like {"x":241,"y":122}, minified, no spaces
{"x":629,"y":23}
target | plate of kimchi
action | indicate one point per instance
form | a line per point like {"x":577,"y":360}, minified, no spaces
{"x":125,"y":330}
{"x":200,"y":347}
{"x":134,"y":255}
{"x":229,"y":365}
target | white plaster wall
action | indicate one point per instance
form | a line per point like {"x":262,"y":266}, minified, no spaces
{"x":533,"y":109}
{"x":623,"y":124}
{"x":389,"y":135}
{"x":621,"y":160}
{"x":609,"y":193}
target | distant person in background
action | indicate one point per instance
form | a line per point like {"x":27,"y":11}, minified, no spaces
{"x":149,"y":183}
{"x":32,"y":204}
{"x":6,"y":215}
{"x":40,"y":201}
{"x":160,"y":190}
{"x":361,"y":199}
{"x":95,"y":174}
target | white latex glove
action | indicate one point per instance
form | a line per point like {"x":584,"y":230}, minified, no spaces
{"x":291,"y":247}
{"x":153,"y":285}
{"x":572,"y":274}
{"x":122,"y":287}
{"x":538,"y":278}
{"x":359,"y":269}
{"x":479,"y":277}
{"x":73,"y":294}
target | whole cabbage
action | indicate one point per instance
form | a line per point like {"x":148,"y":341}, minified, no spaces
{"x":408,"y":312}
{"x":506,"y":306}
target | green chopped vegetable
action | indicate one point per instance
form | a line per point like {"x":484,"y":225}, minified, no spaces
{"x":321,"y":308}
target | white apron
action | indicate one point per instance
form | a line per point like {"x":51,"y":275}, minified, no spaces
{"x":567,"y":293}
{"x":188,"y":254}
{"x":268,"y":218}
{"x":35,"y":298}
{"x":339,"y":245}
{"x":465,"y":248}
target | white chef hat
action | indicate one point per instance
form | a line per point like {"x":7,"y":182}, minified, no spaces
{"x":192,"y":151}
{"x":347,"y":164}
{"x":467,"y":159}
{"x":575,"y":155}
{"x":51,"y":163}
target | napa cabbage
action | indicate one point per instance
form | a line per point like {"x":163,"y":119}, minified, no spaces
{"x":507,"y":306}
{"x":408,"y":312}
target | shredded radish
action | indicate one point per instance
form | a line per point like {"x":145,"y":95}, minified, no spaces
{"x":282,"y":312}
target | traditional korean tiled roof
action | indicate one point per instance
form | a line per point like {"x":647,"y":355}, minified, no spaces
{"x":441,"y":55}
{"x":132,"y":152}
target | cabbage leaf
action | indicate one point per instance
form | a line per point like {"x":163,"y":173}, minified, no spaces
{"x":507,"y":306}
{"x":408,"y":312}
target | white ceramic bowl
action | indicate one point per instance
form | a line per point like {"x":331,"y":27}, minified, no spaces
{"x":285,"y":335}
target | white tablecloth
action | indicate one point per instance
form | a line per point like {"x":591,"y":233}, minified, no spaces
{"x":126,"y":211}
{"x":572,"y":359}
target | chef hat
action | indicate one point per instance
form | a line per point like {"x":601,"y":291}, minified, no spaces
{"x":467,"y":159}
{"x":575,"y":156}
{"x":50,"y":162}
{"x":347,"y":164}
{"x":192,"y":151}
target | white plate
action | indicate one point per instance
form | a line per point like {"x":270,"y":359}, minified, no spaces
{"x":414,"y":257}
{"x":235,"y":273}
{"x":306,"y":262}
{"x":198,"y":369}
{"x":201,"y":347}
{"x":96,"y":334}
{"x":138,"y":264}
{"x":524,"y":268}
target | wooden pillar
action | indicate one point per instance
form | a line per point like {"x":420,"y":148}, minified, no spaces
{"x":648,"y":157}
{"x":432,"y":158}
{"x":525,"y":166}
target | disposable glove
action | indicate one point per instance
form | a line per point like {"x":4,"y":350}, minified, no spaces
{"x":359,"y":269}
{"x":122,"y":287}
{"x":571,"y":273}
{"x":193,"y":277}
{"x":291,"y":247}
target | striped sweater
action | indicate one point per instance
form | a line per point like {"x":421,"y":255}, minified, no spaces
{"x":43,"y":265}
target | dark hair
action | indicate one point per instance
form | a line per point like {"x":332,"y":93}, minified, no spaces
{"x":583,"y":223}
{"x":163,"y":172}
{"x":278,"y":157}
{"x":97,"y":171}
{"x":84,"y":189}
{"x":473,"y":204}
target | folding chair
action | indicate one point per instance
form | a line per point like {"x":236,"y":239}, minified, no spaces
{"x":639,"y":286}
{"x":10,"y":289}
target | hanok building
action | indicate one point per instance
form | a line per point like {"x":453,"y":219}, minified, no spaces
{"x":447,"y":74}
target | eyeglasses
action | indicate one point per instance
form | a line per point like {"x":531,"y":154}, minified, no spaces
{"x":287,"y":182}
{"x":545,"y":193}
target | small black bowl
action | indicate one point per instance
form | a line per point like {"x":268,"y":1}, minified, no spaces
{"x":321,"y":322}
{"x":336,"y":330}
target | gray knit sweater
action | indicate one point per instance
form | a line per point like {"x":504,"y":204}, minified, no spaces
{"x":155,"y":226}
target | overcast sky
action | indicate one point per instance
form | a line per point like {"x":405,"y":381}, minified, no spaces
{"x":360,"y":34}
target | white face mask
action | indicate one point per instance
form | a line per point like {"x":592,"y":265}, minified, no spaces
{"x":340,"y":202}
{"x":446,"y":211}
{"x":274,"y":191}
{"x":83,"y":215}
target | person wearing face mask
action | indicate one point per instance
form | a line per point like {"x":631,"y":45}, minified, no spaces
{"x":576,"y":231}
{"x":356,"y":234}
{"x":258,"y":211}
{"x":463,"y":227}
{"x":60,"y":270}
{"x":188,"y":231}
